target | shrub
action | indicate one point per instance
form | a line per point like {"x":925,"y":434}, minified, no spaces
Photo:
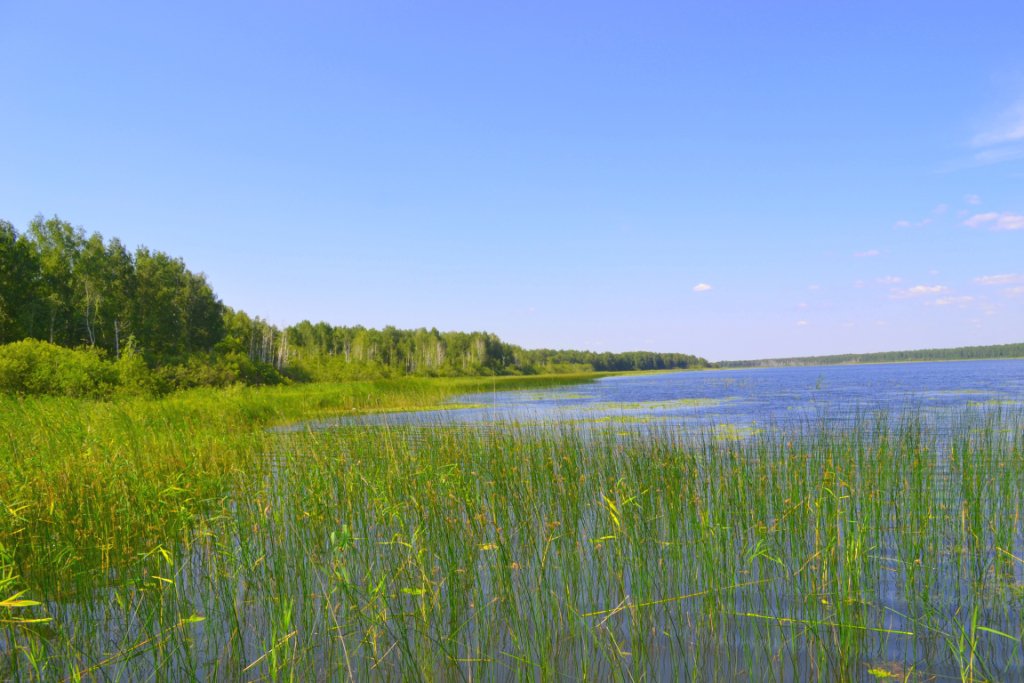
{"x":31,"y":366}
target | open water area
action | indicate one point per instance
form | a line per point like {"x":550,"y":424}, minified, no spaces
{"x":744,"y":401}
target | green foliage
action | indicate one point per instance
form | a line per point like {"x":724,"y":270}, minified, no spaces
{"x":19,"y":273}
{"x":60,"y":285}
{"x":333,"y":353}
{"x":216,"y":370}
{"x":133,"y":375}
{"x":174,"y":312}
{"x":34,"y":367}
{"x":37,"y":367}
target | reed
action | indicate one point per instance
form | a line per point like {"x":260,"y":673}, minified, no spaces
{"x":181,"y":539}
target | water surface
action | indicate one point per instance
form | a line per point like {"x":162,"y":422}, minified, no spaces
{"x":744,"y":399}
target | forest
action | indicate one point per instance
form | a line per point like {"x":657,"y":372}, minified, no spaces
{"x":81,"y":315}
{"x":995,"y":351}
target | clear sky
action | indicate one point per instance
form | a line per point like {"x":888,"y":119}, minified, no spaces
{"x":731,"y":179}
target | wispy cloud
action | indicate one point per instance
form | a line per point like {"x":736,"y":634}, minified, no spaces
{"x":867,"y":254}
{"x":917,"y":290}
{"x":889,"y":280}
{"x":1014,"y":291}
{"x":905,"y":224}
{"x":1001,"y":140}
{"x":1002,"y":279}
{"x":972,"y":199}
{"x":954,"y":301}
{"x":702,"y":287}
{"x":802,"y":323}
{"x":1008,"y":127}
{"x":927,"y":289}
{"x":996,"y":221}
{"x":997,"y":155}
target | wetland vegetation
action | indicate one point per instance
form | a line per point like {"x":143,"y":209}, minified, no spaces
{"x":179,"y":538}
{"x":161,"y":518}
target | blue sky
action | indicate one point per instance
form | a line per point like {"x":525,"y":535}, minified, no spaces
{"x":735,"y":180}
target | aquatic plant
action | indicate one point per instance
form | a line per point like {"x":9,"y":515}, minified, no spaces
{"x":180,"y":539}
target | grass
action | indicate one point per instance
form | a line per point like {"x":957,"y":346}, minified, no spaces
{"x":182,"y":540}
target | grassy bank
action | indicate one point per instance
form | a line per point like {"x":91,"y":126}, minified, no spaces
{"x":179,"y":539}
{"x":87,"y":482}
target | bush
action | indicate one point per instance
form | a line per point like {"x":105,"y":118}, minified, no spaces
{"x":31,"y":366}
{"x":133,"y":374}
{"x":217,"y":371}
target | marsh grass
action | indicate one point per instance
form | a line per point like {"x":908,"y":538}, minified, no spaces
{"x":180,"y":539}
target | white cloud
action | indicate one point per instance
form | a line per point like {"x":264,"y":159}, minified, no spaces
{"x":996,"y":221}
{"x":814,"y":287}
{"x":980,"y":219}
{"x":927,"y":289}
{"x":1004,"y":279}
{"x":904,"y":224}
{"x":702,"y":287}
{"x":1014,"y":291}
{"x":1000,"y":141}
{"x":972,"y":199}
{"x":997,"y":155}
{"x":802,"y":305}
{"x":918,"y":290}
{"x":954,"y":301}
{"x":889,"y":280}
{"x":867,"y":254}
{"x":1009,"y":127}
{"x":802,"y":323}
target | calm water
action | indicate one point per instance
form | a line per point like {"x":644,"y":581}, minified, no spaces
{"x":747,"y":399}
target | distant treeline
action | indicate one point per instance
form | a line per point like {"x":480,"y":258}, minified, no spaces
{"x":958,"y":353}
{"x":80,"y":315}
{"x":324,"y":351}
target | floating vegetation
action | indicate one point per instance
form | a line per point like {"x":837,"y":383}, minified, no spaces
{"x":609,"y":406}
{"x":551,"y":396}
{"x":734,"y":432}
{"x":994,"y":402}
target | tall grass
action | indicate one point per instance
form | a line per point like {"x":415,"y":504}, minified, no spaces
{"x":181,"y":540}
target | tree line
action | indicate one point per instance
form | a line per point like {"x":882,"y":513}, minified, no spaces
{"x":143,"y":320}
{"x":331,"y":352}
{"x":59,"y":285}
{"x":991,"y":352}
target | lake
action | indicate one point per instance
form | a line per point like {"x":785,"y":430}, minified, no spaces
{"x":744,"y":400}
